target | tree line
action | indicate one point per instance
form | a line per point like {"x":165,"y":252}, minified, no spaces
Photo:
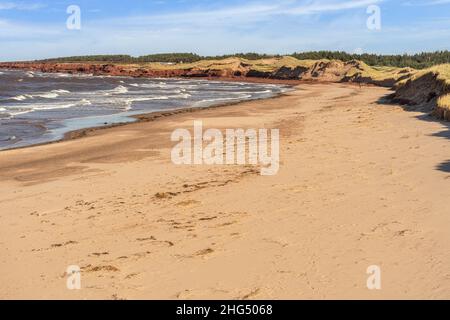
{"x":417,"y":61}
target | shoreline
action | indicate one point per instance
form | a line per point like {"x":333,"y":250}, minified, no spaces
{"x":74,"y":134}
{"x":361,"y":184}
{"x":153,"y":116}
{"x":144,"y":117}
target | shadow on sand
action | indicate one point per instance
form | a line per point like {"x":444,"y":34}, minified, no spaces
{"x":444,"y":166}
{"x":426,"y":116}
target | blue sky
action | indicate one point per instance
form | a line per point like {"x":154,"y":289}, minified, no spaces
{"x":37,"y":29}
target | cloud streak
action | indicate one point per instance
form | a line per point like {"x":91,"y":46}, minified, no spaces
{"x":21,"y":6}
{"x":255,"y":11}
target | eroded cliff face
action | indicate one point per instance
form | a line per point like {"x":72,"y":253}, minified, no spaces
{"x":333,"y":71}
{"x":421,"y":91}
{"x":94,"y":68}
{"x":422,"y":94}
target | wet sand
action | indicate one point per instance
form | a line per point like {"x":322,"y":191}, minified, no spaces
{"x":360,"y":184}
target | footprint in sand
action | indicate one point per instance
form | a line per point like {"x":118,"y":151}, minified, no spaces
{"x":106,"y":268}
{"x":188,"y":203}
{"x":252,"y":294}
{"x":204,"y":252}
{"x":98,"y":254}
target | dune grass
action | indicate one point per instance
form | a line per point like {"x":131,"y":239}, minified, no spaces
{"x":442,"y":71}
{"x":262,"y":65}
{"x":273,"y":64}
{"x":355,"y":68}
{"x":444,"y":102}
{"x":379,"y":73}
{"x":269,"y":65}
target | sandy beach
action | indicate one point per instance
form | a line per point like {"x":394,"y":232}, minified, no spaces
{"x":360,"y":183}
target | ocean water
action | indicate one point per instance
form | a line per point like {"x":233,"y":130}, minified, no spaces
{"x":42,"y":107}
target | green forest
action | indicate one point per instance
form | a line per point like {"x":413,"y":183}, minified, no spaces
{"x":417,"y":61}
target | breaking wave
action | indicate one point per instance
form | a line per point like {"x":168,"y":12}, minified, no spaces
{"x":118,"y":90}
{"x":21,"y":97}
{"x":61,"y":91}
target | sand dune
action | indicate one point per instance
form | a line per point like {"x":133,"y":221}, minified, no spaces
{"x":360,"y":183}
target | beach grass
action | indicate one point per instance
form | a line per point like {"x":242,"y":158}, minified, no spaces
{"x":442,"y":72}
{"x":379,"y":73}
{"x":444,"y":102}
{"x":262,"y":65}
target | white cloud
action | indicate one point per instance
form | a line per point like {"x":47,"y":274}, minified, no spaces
{"x":427,"y":3}
{"x":21,"y":6}
{"x":322,"y":7}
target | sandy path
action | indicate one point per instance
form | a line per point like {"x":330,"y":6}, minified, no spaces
{"x":360,"y":184}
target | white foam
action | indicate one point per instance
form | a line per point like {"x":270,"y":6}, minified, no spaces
{"x":63,"y":75}
{"x":18,"y":112}
{"x":129,"y":102}
{"x":49,"y":95}
{"x":182,"y":96}
{"x":224,"y":99}
{"x":116,"y":90}
{"x":256,"y":92}
{"x":85,"y":102}
{"x":219,"y":99}
{"x":15,"y":110}
{"x":161,"y":85}
{"x":148,"y":98}
{"x":21,"y":97}
{"x":159,"y":98}
{"x":53,"y":106}
{"x":120,"y":90}
{"x":61,"y":91}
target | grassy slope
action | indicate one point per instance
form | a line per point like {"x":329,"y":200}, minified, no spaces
{"x":273,"y":64}
{"x":443,"y":73}
{"x":267,"y":65}
{"x":380,"y":73}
